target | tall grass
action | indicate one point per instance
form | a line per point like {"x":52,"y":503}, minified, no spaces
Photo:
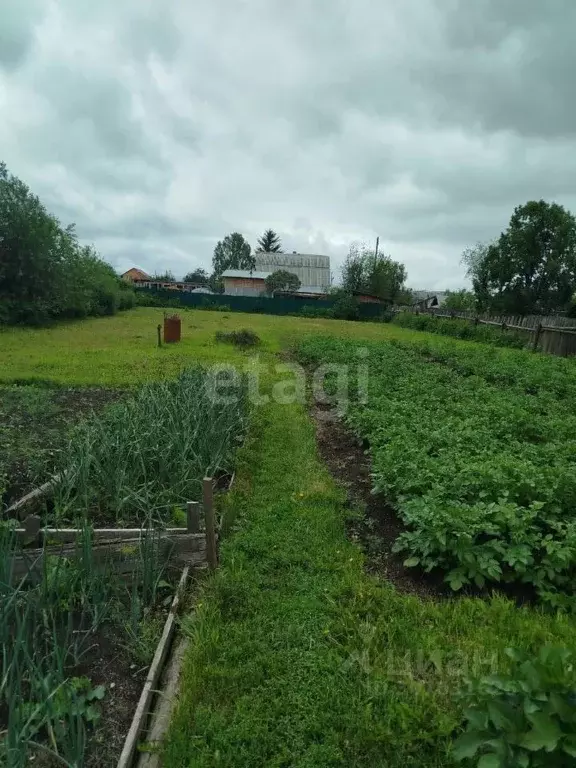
{"x":147,"y":454}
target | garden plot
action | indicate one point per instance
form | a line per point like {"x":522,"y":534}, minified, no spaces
{"x":35,"y":422}
{"x":483,"y":477}
{"x":82,"y":617}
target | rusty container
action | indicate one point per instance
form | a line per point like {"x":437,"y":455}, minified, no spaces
{"x":172,"y":328}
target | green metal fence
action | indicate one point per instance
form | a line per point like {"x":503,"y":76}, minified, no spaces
{"x":258,"y":304}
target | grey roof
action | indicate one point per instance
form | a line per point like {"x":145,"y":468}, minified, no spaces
{"x":202,"y":289}
{"x":246,"y":273}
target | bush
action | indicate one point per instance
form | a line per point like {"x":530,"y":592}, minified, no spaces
{"x":312,"y":311}
{"x":525,"y":718}
{"x":347,"y":308}
{"x":244,"y":338}
{"x":461,"y":329}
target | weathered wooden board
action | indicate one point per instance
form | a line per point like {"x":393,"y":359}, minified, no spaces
{"x":121,"y":556}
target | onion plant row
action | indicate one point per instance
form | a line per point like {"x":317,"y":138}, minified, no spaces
{"x":146,"y":455}
{"x":47,"y":630}
{"x":483,"y":476}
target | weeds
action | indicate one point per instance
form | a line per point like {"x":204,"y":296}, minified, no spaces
{"x":243,"y":339}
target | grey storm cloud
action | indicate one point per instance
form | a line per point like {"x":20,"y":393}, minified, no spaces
{"x":158,"y":127}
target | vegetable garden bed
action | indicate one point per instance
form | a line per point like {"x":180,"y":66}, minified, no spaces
{"x":483,"y":476}
{"x":72,"y":595}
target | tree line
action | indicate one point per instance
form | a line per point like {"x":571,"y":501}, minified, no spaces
{"x":529,"y":269}
{"x":45,"y":274}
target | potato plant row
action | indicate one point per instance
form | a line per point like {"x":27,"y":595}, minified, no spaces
{"x":482,"y":475}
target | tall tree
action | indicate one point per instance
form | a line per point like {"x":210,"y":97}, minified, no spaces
{"x":532,"y":266}
{"x":232,"y":253}
{"x":376,"y":274}
{"x":44,"y":272}
{"x":269,"y":243}
{"x":197,"y":276}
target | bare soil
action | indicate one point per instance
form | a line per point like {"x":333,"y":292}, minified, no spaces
{"x":379,"y":526}
{"x":34,"y":424}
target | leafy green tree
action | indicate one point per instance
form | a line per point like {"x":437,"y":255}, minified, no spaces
{"x":282,"y":280}
{"x":532,"y":266}
{"x":460,"y":301}
{"x":44,"y":272}
{"x":269,"y":243}
{"x":364,"y":271}
{"x":197,"y":276}
{"x":232,"y":253}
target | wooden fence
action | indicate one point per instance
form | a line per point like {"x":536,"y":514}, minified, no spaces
{"x":554,"y":335}
{"x":118,"y":549}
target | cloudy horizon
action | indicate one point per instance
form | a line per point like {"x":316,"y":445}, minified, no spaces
{"x":158,"y":128}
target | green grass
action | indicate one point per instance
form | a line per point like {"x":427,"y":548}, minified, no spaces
{"x":299,"y":658}
{"x":122,"y":350}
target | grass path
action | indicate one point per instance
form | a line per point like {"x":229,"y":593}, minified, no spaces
{"x":298,"y":658}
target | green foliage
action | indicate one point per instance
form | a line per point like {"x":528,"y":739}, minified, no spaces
{"x":377,"y":275}
{"x":526,"y":718}
{"x":48,"y":624}
{"x":232,"y":253}
{"x":166,"y":277}
{"x":197,"y":276}
{"x":298,"y":657}
{"x":282,"y":280}
{"x":460,"y":301}
{"x":309,"y":310}
{"x":141,"y":456}
{"x":461,"y":329}
{"x":481,"y":475}
{"x":45,"y":274}
{"x":531,"y":269}
{"x":269,"y":243}
{"x":346,"y":306}
{"x":244,"y":338}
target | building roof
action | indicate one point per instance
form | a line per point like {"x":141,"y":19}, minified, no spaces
{"x":246,"y":274}
{"x":138,"y":273}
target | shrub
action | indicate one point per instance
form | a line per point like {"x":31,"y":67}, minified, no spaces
{"x":461,"y":329}
{"x":312,"y":311}
{"x":347,"y":308}
{"x":526,"y":718}
{"x":244,"y":338}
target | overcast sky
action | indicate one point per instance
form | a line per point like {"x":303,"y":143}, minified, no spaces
{"x":159,"y":127}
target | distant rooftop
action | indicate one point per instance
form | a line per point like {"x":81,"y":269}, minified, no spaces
{"x":246,"y":274}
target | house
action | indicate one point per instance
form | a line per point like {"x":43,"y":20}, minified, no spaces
{"x":313,"y":272}
{"x":243,"y":282}
{"x":135,"y":275}
{"x":140,"y":279}
{"x":366,"y":298}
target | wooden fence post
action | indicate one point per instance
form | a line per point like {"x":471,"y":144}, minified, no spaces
{"x":537,"y":336}
{"x":208,"y":497}
{"x":159,"y":329}
{"x":192,"y":517}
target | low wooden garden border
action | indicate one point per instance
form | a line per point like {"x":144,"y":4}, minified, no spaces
{"x":143,"y":708}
